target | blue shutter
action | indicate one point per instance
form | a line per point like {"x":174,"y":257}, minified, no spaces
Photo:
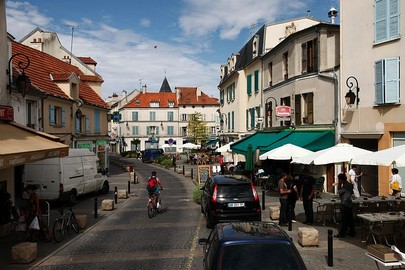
{"x":393,"y":20}
{"x":77,"y":124}
{"x":256,"y":81}
{"x":391,"y":80}
{"x":379,"y":82}
{"x":51,"y":115}
{"x":147,"y":130}
{"x":249,"y":84}
{"x":253,"y":120}
{"x":380,"y":20}
{"x":134,"y":116}
{"x":96,"y":122}
{"x":88,"y":126}
{"x":63,"y":117}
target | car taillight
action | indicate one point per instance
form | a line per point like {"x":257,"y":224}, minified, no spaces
{"x":60,"y":188}
{"x":255,"y":195}
{"x":214,"y":194}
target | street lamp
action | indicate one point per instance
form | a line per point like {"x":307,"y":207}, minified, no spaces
{"x":269,"y":111}
{"x":23,"y":82}
{"x":350,"y":96}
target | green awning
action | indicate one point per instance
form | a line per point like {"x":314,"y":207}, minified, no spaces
{"x":257,"y":140}
{"x":211,"y":142}
{"x":313,"y":140}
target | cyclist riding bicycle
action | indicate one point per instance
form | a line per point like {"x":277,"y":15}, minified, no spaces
{"x":153,"y":187}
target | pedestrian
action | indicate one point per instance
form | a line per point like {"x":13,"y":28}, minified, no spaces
{"x":354,"y":180}
{"x":345,"y":193}
{"x":307,"y":196}
{"x":221,"y":164}
{"x":283,"y":193}
{"x":396,"y":183}
{"x":292,"y":197}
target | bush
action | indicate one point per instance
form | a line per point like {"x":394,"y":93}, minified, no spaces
{"x":131,"y":154}
{"x":165,"y":161}
{"x":197,"y":195}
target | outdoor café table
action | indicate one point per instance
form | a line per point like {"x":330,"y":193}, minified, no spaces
{"x":378,"y":262}
{"x":374,"y":218}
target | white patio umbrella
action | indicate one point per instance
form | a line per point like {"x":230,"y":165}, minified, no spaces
{"x":285,"y":152}
{"x":394,"y":155}
{"x":190,"y":146}
{"x":224,"y":148}
{"x":341,"y":152}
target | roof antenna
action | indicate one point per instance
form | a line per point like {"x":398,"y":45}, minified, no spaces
{"x":71,"y":41}
{"x":308,"y":13}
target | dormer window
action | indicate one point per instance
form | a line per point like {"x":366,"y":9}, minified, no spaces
{"x":137,"y":102}
{"x":154,"y":104}
{"x":255,"y":46}
{"x":171,"y":104}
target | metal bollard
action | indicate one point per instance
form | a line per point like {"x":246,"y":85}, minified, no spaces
{"x":129,"y":187}
{"x":263,"y":200}
{"x":330,"y":248}
{"x":116,"y":195}
{"x":95,"y":207}
{"x":289,"y":218}
{"x":192,"y":174}
{"x":183,"y":170}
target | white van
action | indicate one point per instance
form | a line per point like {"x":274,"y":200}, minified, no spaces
{"x":66,"y":178}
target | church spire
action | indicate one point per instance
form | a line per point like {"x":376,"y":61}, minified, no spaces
{"x":165,"y":88}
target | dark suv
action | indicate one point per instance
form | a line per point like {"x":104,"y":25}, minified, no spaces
{"x":250,"y":245}
{"x":229,"y":198}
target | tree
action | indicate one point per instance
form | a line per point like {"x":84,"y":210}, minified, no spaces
{"x":197,"y":128}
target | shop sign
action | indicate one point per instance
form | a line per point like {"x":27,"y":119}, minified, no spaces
{"x":283,"y":111}
{"x":6,"y":113}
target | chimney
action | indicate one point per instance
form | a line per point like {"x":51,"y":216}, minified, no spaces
{"x":332,"y":15}
{"x":144,"y":89}
{"x":198,"y":91}
{"x":178,"y":94}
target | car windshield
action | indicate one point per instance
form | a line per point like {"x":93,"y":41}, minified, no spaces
{"x":234,"y":190}
{"x":252,"y":256}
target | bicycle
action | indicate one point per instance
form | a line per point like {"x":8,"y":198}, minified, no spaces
{"x":65,"y":223}
{"x":153,"y":208}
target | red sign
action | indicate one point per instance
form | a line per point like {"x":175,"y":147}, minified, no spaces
{"x":6,"y":113}
{"x":283,"y":111}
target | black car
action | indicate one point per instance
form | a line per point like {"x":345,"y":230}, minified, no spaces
{"x":250,"y":245}
{"x":229,"y":198}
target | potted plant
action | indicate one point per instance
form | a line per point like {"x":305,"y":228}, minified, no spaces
{"x":6,"y":205}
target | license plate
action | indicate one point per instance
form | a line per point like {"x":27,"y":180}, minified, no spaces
{"x":236,"y":204}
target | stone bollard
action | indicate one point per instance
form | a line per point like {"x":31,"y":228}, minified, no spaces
{"x":274,"y":212}
{"x":107,"y":205}
{"x":82,"y":221}
{"x":308,"y":236}
{"x":122,"y":194}
{"x":25,"y":252}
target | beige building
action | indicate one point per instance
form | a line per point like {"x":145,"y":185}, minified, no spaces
{"x":371,"y":53}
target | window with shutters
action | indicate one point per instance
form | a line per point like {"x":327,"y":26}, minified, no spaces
{"x":249,"y":84}
{"x":387,"y":81}
{"x":285,"y":65}
{"x":256,"y":81}
{"x":386,"y":20}
{"x":57,"y":116}
{"x":97,"y":122}
{"x":309,"y":56}
{"x":135,"y":116}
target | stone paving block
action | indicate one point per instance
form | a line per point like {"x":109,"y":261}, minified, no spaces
{"x":107,"y":205}
{"x":274,"y":212}
{"x":82,"y":221}
{"x":25,"y":252}
{"x":308,"y":236}
{"x":122,"y":194}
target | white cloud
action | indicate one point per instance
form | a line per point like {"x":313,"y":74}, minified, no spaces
{"x":145,"y":22}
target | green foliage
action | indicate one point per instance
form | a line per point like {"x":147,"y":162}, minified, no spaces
{"x":165,"y":161}
{"x":197,"y":128}
{"x":131,"y":154}
{"x":197,"y":195}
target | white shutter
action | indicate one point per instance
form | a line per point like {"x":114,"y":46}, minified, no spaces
{"x":393,"y":19}
{"x":391,"y":80}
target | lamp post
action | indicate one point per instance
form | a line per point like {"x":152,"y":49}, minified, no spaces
{"x":23,"y":82}
{"x":350,"y":96}
{"x":269,"y":111}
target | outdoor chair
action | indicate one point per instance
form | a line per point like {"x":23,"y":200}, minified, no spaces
{"x":319,"y":186}
{"x":325,"y":212}
{"x":384,"y":207}
{"x":383,"y":230}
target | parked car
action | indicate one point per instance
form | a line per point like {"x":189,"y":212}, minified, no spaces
{"x":229,"y":198}
{"x":250,"y":245}
{"x":150,"y":154}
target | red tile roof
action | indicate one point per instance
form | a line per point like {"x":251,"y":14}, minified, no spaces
{"x":91,"y":78}
{"x":143,"y":100}
{"x":45,"y":69}
{"x":87,"y":60}
{"x":188,"y":96}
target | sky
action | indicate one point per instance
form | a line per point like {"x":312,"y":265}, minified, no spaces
{"x":140,"y":42}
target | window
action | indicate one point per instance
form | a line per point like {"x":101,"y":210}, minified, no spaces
{"x":96,"y":121}
{"x":386,"y":20}
{"x":256,"y":78}
{"x":183,"y":117}
{"x":249,"y":84}
{"x":86,"y":123}
{"x":170,"y":130}
{"x":308,"y":108}
{"x":135,"y":130}
{"x":184,"y":131}
{"x":171,"y":104}
{"x":31,"y":110}
{"x":170,"y":116}
{"x":230,"y":92}
{"x":82,"y":124}
{"x":135,"y":116}
{"x":270,"y":66}
{"x":233,"y":121}
{"x":154,"y":104}
{"x":387,"y":81}
{"x":285,"y":65}
{"x":57,"y":116}
{"x":297,"y":120}
{"x":152,"y":116}
{"x":309,"y":54}
{"x":255,"y":46}
{"x":252,"y":118}
{"x":221,"y":96}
